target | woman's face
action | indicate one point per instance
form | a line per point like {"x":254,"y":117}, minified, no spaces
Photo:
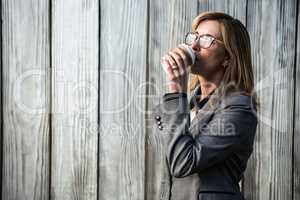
{"x":209,"y":61}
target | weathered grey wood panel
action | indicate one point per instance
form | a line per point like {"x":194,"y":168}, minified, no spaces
{"x":237,"y":9}
{"x":129,"y":57}
{"x":1,"y":107}
{"x":296,"y":175}
{"x":272,"y":28}
{"x":168,"y":24}
{"x":122,"y":99}
{"x":25,"y":49}
{"x":75,"y":45}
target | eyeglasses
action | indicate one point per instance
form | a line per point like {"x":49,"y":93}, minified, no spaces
{"x":204,"y":41}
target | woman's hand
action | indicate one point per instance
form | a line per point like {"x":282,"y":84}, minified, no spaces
{"x":176,"y":65}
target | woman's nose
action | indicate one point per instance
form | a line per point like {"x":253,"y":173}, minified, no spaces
{"x":195,"y":46}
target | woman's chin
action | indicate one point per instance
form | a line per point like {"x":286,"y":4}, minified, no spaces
{"x":196,"y":69}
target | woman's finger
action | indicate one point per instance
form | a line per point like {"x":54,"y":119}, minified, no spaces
{"x":184,"y":54}
{"x":171,"y":60}
{"x":179,"y":61}
{"x":168,"y":68}
{"x":173,"y":65}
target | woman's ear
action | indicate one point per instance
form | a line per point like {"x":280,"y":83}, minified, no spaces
{"x":226,"y":60}
{"x":225,"y":63}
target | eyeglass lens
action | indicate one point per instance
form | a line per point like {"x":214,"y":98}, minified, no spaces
{"x":204,"y":41}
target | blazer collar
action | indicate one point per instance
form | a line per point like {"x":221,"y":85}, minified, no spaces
{"x":205,"y":113}
{"x":194,"y":101}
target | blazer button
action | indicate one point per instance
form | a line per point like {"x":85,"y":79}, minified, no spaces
{"x":157,"y":117}
{"x":158,"y":123}
{"x":160,"y":127}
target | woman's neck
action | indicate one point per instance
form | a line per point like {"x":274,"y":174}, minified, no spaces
{"x":208,"y":85}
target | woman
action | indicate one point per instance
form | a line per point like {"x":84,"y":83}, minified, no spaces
{"x":209,"y":139}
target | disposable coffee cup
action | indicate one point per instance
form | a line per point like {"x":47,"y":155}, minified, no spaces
{"x":190,"y":53}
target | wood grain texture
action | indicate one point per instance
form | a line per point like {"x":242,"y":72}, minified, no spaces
{"x":1,"y":105}
{"x":75,"y":44}
{"x":122,"y":99}
{"x":168,"y":24}
{"x":134,"y":35}
{"x":296,"y":175}
{"x":236,"y":9}
{"x":272,"y":30}
{"x":25,"y":31}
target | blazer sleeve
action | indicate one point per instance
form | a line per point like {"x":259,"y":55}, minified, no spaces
{"x":232,"y":127}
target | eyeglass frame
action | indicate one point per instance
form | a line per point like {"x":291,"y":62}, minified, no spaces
{"x":198,"y":38}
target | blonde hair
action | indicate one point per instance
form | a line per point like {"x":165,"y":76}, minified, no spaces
{"x":238,"y":75}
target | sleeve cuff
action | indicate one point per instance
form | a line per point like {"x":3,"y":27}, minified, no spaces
{"x":175,"y":102}
{"x":173,"y":95}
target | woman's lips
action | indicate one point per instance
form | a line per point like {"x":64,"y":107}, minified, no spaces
{"x":197,"y":59}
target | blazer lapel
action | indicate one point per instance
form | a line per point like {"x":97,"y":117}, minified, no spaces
{"x":204,"y":115}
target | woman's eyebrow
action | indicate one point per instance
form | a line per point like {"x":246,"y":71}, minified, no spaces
{"x":207,"y":34}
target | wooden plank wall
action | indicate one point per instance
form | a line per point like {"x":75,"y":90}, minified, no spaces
{"x":270,"y":171}
{"x":74,"y":99}
{"x":1,"y":107}
{"x":79,"y":80}
{"x":26,"y":94}
{"x":123,"y":54}
{"x":296,"y":146}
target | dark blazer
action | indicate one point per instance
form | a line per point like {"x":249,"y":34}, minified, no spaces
{"x":206,"y":158}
